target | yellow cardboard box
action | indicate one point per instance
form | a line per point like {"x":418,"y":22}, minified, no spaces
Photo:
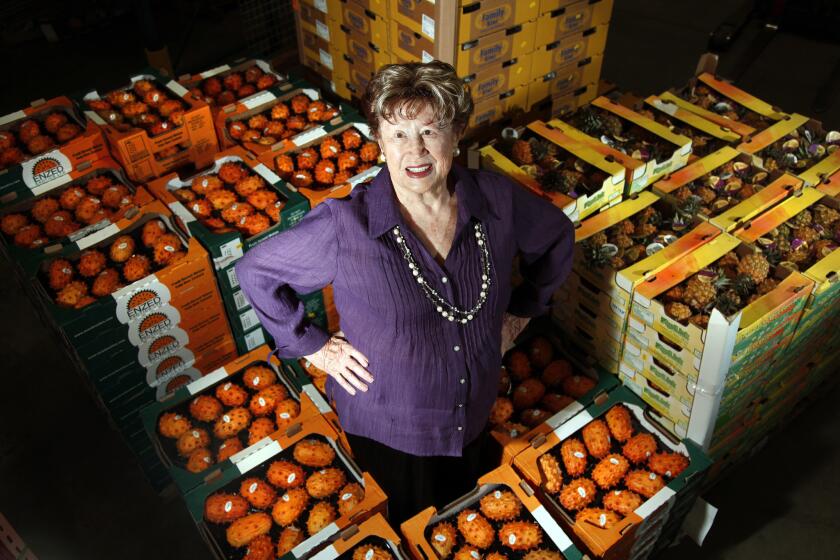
{"x":572,"y":18}
{"x":574,"y":47}
{"x":565,"y":80}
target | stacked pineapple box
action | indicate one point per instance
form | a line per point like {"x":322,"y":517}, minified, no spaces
{"x":689,"y":231}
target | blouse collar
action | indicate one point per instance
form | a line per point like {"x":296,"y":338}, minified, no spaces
{"x":383,"y":213}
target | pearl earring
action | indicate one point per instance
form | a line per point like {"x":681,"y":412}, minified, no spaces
{"x":457,"y":151}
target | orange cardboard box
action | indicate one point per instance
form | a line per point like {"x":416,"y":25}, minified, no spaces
{"x":35,"y":174}
{"x":502,"y":479}
{"x":193,"y":82}
{"x":144,"y":156}
{"x":374,"y":531}
{"x":254,"y":464}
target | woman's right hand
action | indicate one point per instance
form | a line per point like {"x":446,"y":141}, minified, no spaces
{"x":343,"y":363}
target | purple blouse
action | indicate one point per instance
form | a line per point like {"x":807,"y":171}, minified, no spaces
{"x":434,"y":379}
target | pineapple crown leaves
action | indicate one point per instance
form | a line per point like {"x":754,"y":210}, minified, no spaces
{"x":728,"y":302}
{"x":744,"y":285}
{"x":597,"y":256}
{"x":554,"y":180}
{"x":588,"y":121}
{"x":690,"y":207}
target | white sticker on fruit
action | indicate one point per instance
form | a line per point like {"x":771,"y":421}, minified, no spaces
{"x":475,"y":554}
{"x":579,"y":455}
{"x":512,"y":539}
{"x":195,"y":434}
{"x":369,"y":554}
{"x":252,"y":488}
{"x":256,"y":381}
{"x":497,"y":494}
{"x":178,"y":417}
{"x":285,"y":498}
{"x":602,"y":520}
{"x":613,"y":460}
{"x":472,"y":516}
{"x":668,"y":474}
{"x":617,"y":492}
{"x":285,"y":415}
{"x":652,"y":476}
{"x":346,"y":496}
{"x":582,"y":492}
{"x":228,"y":506}
{"x":261,"y":401}
{"x":226,"y":419}
{"x":206,"y":460}
{"x":226,"y":387}
{"x":428,"y":26}
{"x":290,"y":478}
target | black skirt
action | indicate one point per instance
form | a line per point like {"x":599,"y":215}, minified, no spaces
{"x":414,"y":483}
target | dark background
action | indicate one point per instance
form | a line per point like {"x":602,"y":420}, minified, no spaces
{"x":73,"y":490}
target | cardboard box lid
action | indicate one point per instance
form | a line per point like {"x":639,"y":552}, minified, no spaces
{"x":669,"y":107}
{"x":735,"y":126}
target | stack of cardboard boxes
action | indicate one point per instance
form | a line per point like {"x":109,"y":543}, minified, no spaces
{"x":514,"y":55}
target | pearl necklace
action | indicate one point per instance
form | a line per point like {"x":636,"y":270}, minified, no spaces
{"x":446,"y":309}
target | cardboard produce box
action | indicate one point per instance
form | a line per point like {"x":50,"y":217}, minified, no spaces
{"x":354,"y":167}
{"x":309,"y":450}
{"x":656,"y":152}
{"x":606,"y":178}
{"x":503,"y":106}
{"x":621,"y":532}
{"x":609,"y":263}
{"x":575,"y":47}
{"x":425,"y":533}
{"x":562,"y":105}
{"x":727,"y":105}
{"x":239,"y":383}
{"x":317,"y":54}
{"x":366,"y":24}
{"x":379,"y":7}
{"x":437,"y":23}
{"x":295,"y":103}
{"x":544,"y":382}
{"x":361,"y":538}
{"x":221,"y":226}
{"x":797,"y":145}
{"x":227,"y":83}
{"x":409,"y":45}
{"x":167,"y":130}
{"x":56,"y":142}
{"x":565,"y":79}
{"x":185,"y":283}
{"x":730,"y":189}
{"x":563,"y":18}
{"x":753,"y":330}
{"x":93,"y":196}
{"x":497,"y":79}
{"x":706,"y":137}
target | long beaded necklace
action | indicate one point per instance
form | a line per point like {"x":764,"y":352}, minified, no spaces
{"x":446,"y":309}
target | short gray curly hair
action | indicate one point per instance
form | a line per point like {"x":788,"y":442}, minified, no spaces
{"x":403,"y":90}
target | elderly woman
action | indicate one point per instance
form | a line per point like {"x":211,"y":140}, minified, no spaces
{"x":420,"y":261}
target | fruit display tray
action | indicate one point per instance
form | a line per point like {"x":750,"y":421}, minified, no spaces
{"x":371,"y":539}
{"x":56,"y":141}
{"x":543,"y":383}
{"x":706,"y":136}
{"x":203,"y":404}
{"x":560,"y":466}
{"x":285,"y":477}
{"x":568,"y":172}
{"x":90,"y":198}
{"x":727,"y":188}
{"x":646,"y":149}
{"x":329,"y":164}
{"x":229,"y":83}
{"x":501,"y":515}
{"x":727,"y":105}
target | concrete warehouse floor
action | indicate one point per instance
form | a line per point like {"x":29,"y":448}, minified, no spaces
{"x":73,"y":490}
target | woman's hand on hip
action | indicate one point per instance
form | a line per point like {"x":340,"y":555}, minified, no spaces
{"x":344,"y":363}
